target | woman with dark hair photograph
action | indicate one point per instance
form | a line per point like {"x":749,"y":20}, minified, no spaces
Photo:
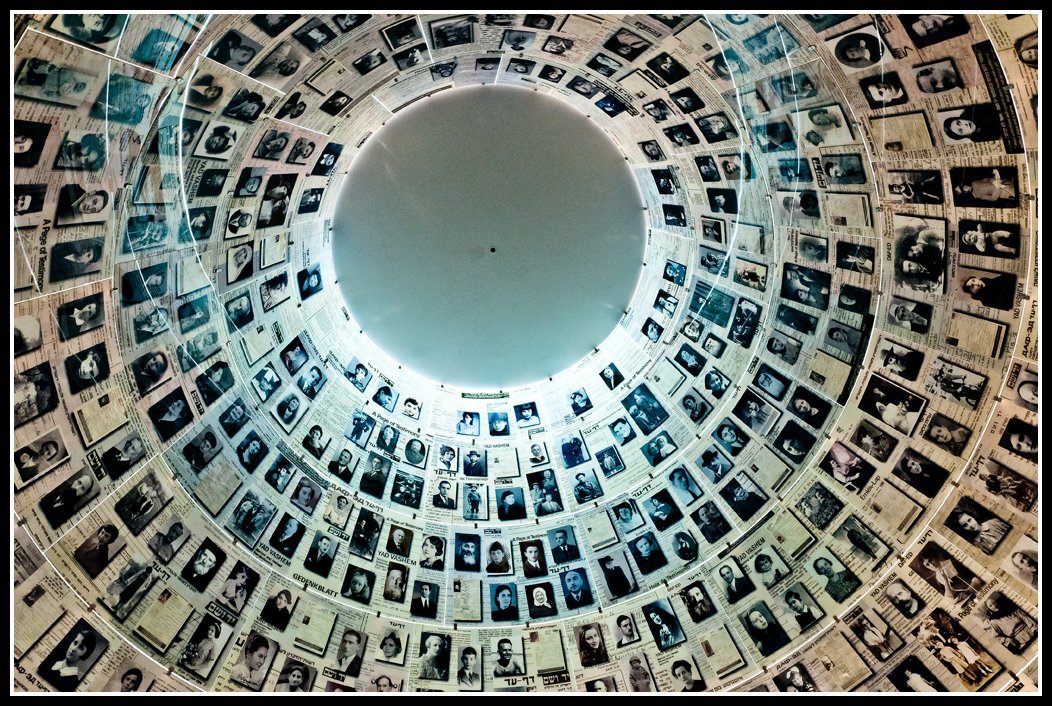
{"x":278,"y":609}
{"x":251,"y":451}
{"x":246,"y":106}
{"x":288,"y":409}
{"x":79,"y":257}
{"x":199,"y":655}
{"x":432,"y":552}
{"x":131,"y":680}
{"x":858,"y":50}
{"x":1027,"y":50}
{"x":977,"y":525}
{"x":764,"y":630}
{"x":973,"y":123}
{"x":590,"y":645}
{"x":295,"y":677}
{"x":1007,"y":622}
{"x":663,"y":625}
{"x":220,"y":140}
{"x":231,"y":50}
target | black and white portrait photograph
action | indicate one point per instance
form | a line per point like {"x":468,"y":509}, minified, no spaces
{"x":947,"y":434}
{"x":926,"y":30}
{"x":1020,"y":438}
{"x":951,"y":578}
{"x":170,"y":414}
{"x":892,"y":404}
{"x":40,"y":456}
{"x":251,"y":515}
{"x":65,"y":667}
{"x":321,"y":554}
{"x":988,"y":238}
{"x":664,"y":625}
{"x":977,"y":525}
{"x":358,"y":583}
{"x":203,"y":565}
{"x":142,"y":503}
{"x":218,"y":141}
{"x":919,"y":472}
{"x":42,"y":80}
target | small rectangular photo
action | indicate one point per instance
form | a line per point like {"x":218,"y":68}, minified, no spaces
{"x":942,"y":629}
{"x":453,"y":31}
{"x":772,"y":44}
{"x":977,"y":525}
{"x":756,"y":413}
{"x":476,"y":501}
{"x":41,"y":80}
{"x":823,"y":126}
{"x":83,"y":151}
{"x":475,"y":463}
{"x":987,"y":288}
{"x":920,"y":473}
{"x":1005,"y":484}
{"x":989,"y":238}
{"x":877,"y":635}
{"x":948,"y":434}
{"x":39,"y":457}
{"x":838,"y":581}
{"x":101,"y":546}
{"x":847,"y":468}
{"x":219,"y":139}
{"x":926,"y":30}
{"x":140,"y":505}
{"x":251,"y":516}
{"x":124,"y":100}
{"x":819,"y":505}
{"x":957,"y":384}
{"x":667,"y":68}
{"x":909,"y":315}
{"x":407,"y":489}
{"x":949,"y":577}
{"x":234,"y":49}
{"x":80,"y":316}
{"x":573,"y":449}
{"x":252,"y":666}
{"x":35,"y":393}
{"x":402,"y":33}
{"x":65,"y":667}
{"x":892,"y":404}
{"x":861,"y":542}
{"x":744,"y":496}
{"x":716,"y":128}
{"x":170,"y":414}
{"x":79,"y":205}
{"x":857,"y":49}
{"x":841,"y":169}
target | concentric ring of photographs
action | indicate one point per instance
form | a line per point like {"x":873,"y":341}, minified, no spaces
{"x":815,"y":445}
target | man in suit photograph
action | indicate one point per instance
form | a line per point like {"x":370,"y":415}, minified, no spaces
{"x":341,"y":466}
{"x":319,"y":558}
{"x":563,"y":552}
{"x":735,"y":587}
{"x":425,"y":600}
{"x":533,"y":564}
{"x":577,"y":593}
{"x":441,"y":499}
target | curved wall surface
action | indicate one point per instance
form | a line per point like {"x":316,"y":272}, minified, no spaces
{"x":805,"y":458}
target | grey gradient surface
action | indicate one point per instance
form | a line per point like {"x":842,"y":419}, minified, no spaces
{"x":472,"y":170}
